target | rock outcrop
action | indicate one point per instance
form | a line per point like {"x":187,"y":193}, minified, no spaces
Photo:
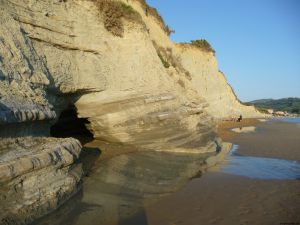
{"x":36,"y":175}
{"x":129,"y":97}
{"x":114,"y":63}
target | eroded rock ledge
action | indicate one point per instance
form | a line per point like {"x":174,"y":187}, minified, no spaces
{"x":36,"y":175}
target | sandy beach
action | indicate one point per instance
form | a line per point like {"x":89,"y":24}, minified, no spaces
{"x":274,"y":139}
{"x":221,"y":198}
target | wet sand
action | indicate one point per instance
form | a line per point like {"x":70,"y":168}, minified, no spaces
{"x":219,"y":198}
{"x":224,"y":128}
{"x":153,"y":188}
{"x":274,"y":139}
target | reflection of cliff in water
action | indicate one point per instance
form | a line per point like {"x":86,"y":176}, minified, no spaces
{"x":120,"y":187}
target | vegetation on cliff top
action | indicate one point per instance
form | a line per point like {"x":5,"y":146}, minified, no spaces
{"x":113,"y":12}
{"x":291,"y":105}
{"x":153,"y":12}
{"x":203,"y":45}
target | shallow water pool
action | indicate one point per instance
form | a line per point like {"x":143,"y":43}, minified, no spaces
{"x":261,"y":168}
{"x":290,"y":119}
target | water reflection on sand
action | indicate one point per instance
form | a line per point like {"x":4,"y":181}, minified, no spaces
{"x":261,"y":167}
{"x":121,"y":186}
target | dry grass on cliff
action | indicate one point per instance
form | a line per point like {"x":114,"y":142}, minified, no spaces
{"x":203,"y":45}
{"x":163,"y":61}
{"x":153,"y":12}
{"x":175,"y":61}
{"x":113,"y":12}
{"x":168,"y":58}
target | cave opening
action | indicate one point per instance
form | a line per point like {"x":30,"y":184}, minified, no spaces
{"x":69,"y":125}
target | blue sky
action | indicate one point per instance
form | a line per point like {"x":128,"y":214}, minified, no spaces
{"x":257,"y":42}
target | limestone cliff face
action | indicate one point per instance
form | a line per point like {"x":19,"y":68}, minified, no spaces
{"x":211,"y":83}
{"x":115,"y":64}
{"x":125,"y":91}
{"x":37,"y":173}
{"x":196,"y":70}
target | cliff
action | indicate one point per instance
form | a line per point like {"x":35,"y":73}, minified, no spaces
{"x":211,"y":83}
{"x":113,"y":64}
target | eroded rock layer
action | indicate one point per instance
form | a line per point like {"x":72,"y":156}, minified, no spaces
{"x":36,"y":175}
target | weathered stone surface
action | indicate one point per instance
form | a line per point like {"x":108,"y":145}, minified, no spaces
{"x":132,"y":98}
{"x":23,"y":76}
{"x":36,"y":175}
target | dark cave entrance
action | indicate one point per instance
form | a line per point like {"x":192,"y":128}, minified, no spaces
{"x":69,"y":125}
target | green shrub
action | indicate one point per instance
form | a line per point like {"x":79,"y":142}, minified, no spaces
{"x":127,"y":9}
{"x":203,"y":44}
